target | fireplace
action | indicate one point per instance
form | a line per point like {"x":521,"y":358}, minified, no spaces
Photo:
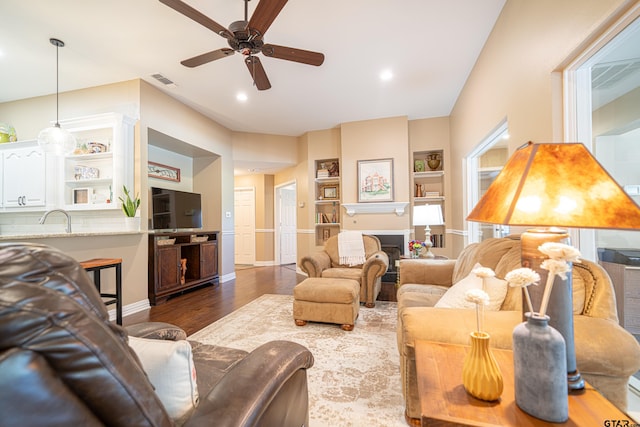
{"x":392,"y":245}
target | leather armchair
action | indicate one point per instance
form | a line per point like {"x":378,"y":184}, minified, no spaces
{"x":62,"y":362}
{"x":326,"y":263}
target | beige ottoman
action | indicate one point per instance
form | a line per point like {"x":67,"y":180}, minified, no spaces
{"x":326,"y":300}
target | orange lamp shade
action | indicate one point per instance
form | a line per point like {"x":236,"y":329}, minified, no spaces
{"x":559,"y":185}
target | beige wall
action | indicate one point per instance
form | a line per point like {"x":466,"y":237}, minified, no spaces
{"x":265,"y":149}
{"x":213,"y":176}
{"x":370,"y":140}
{"x":513,"y":78}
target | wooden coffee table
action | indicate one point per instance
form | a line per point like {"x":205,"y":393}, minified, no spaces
{"x":444,"y":401}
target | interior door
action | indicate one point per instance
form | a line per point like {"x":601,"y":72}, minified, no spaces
{"x":245,"y":225}
{"x":287,"y":224}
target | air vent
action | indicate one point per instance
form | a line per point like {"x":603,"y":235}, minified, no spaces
{"x":162,"y":79}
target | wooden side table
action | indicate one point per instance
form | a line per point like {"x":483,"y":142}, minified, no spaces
{"x":96,"y":265}
{"x":444,"y":401}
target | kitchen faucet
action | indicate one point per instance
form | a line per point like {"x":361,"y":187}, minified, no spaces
{"x":46,"y":214}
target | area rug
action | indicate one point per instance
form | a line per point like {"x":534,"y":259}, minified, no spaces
{"x":355,"y":380}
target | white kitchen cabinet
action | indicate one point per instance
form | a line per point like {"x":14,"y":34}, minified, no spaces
{"x":24,"y":175}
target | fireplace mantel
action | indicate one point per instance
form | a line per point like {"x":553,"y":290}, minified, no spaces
{"x":370,"y":208}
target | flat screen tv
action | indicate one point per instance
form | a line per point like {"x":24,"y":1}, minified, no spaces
{"x":174,"y":210}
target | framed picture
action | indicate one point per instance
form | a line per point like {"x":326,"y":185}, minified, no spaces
{"x":375,"y":180}
{"x":326,"y":233}
{"x":157,"y":170}
{"x":330,"y":192}
{"x":81,"y":196}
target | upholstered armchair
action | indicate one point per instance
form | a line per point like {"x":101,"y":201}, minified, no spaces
{"x":606,"y":354}
{"x":62,"y":362}
{"x":326,"y":263}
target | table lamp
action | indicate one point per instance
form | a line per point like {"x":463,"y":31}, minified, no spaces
{"x":427,"y":215}
{"x":549,"y":186}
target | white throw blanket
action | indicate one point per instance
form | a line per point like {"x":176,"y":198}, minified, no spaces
{"x":351,"y":248}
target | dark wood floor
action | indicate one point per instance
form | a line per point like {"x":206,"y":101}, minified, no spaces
{"x":193,"y":310}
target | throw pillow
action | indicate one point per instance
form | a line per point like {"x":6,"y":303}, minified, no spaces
{"x":455,"y":295}
{"x":169,"y":366}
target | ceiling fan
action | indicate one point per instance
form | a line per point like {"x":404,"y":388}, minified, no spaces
{"x":245,"y":37}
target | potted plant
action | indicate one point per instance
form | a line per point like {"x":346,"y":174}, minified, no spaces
{"x":130,"y":207}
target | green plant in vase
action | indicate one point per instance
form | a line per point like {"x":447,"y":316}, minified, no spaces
{"x":129,"y":205}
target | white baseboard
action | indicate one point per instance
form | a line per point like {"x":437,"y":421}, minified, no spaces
{"x":130,"y":309}
{"x":227,"y":277}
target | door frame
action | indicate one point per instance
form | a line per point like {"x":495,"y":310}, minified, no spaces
{"x":576,"y":77}
{"x":276,"y":216}
{"x":472,"y":171}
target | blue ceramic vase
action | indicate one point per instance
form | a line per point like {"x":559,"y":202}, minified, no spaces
{"x":540,"y":369}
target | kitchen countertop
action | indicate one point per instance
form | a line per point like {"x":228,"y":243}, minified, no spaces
{"x":62,"y":234}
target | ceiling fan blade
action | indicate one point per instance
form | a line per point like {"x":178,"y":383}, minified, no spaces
{"x":265,"y":13}
{"x":192,"y":13}
{"x":292,"y":54}
{"x":257,"y":72}
{"x":207,"y":57}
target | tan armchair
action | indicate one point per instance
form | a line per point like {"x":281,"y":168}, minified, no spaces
{"x":326,"y":263}
{"x":606,"y":354}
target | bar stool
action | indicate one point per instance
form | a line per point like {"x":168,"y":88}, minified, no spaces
{"x":97,"y":265}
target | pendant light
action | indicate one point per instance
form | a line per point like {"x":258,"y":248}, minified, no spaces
{"x":54,"y":139}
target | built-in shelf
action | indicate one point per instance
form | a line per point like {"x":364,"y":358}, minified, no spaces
{"x":428,"y":199}
{"x":428,"y":174}
{"x":327,"y":199}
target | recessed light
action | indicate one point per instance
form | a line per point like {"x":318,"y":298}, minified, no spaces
{"x":242,"y":97}
{"x":386,"y":75}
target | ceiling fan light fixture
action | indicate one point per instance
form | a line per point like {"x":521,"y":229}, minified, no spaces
{"x":55,"y":139}
{"x":246,"y":38}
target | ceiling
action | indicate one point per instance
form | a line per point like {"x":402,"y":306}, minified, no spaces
{"x":429,"y":45}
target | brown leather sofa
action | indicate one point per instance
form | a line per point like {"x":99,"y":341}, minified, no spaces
{"x":606,"y":354}
{"x":63,"y":363}
{"x":326,"y":263}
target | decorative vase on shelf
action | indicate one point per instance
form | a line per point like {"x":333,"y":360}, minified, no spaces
{"x":540,"y":369}
{"x":433,"y":161}
{"x":415,"y":253}
{"x":481,"y":374}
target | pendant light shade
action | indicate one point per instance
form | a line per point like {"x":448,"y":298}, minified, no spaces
{"x":54,"y":139}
